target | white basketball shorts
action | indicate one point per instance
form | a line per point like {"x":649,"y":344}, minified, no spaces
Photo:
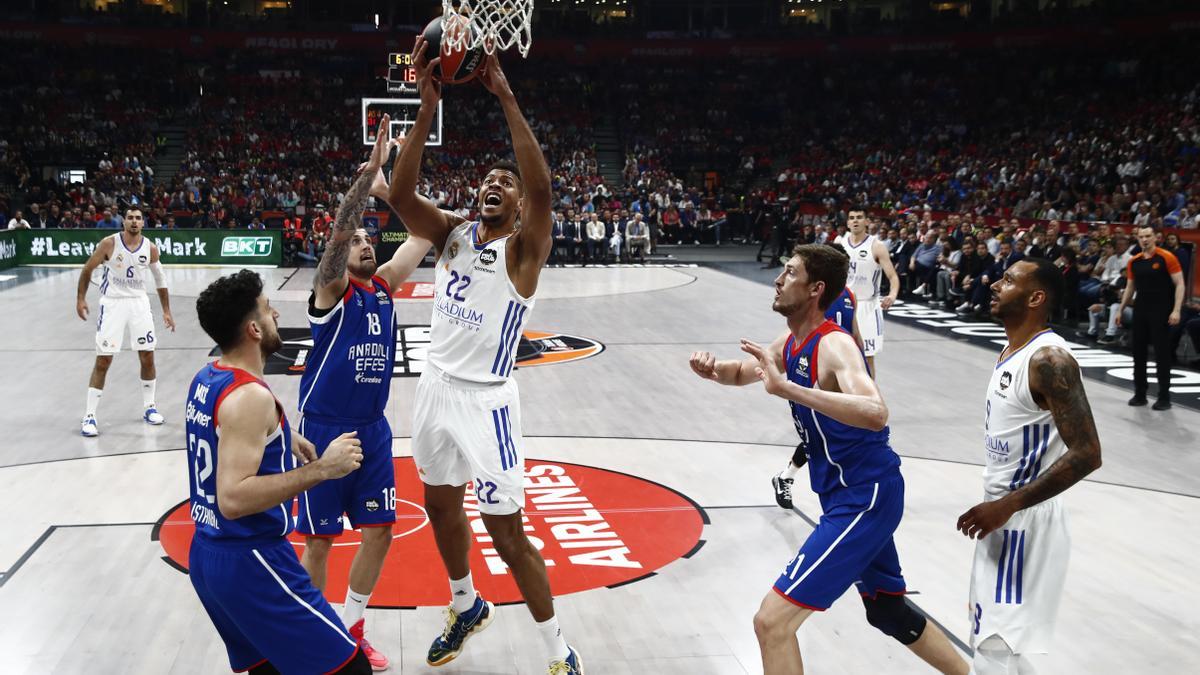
{"x":870,"y":324}
{"x":1017,"y":579}
{"x":464,"y":432}
{"x":119,"y":316}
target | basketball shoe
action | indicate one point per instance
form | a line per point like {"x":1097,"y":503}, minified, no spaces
{"x":459,"y":627}
{"x":572,"y":665}
{"x":89,"y":427}
{"x":152,"y":416}
{"x":783,"y":490}
{"x":358,"y":632}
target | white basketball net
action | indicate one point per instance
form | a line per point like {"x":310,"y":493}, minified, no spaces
{"x":495,"y":24}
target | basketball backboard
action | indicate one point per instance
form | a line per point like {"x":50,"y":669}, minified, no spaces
{"x":403,"y":112}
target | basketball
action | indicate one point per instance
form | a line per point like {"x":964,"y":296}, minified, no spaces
{"x":458,"y":65}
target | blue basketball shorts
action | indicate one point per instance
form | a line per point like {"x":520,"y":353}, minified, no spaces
{"x":265,"y":607}
{"x":852,"y":544}
{"x":367,"y":495}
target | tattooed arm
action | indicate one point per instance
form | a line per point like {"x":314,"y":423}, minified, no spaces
{"x":1056,"y":386}
{"x":330,"y":281}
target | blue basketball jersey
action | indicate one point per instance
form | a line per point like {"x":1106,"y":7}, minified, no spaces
{"x":839,"y":455}
{"x":841,"y":310}
{"x":348,"y":374}
{"x":210,"y":386}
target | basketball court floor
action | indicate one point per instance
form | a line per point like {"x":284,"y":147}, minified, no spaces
{"x":649,"y":491}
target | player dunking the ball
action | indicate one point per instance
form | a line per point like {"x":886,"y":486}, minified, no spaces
{"x":245,"y":467}
{"x":842,"y":421}
{"x":1040,"y":439}
{"x":467,"y":415}
{"x":124,"y":308}
{"x":345,"y":388}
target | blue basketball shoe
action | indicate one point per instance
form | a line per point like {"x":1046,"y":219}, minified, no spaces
{"x":459,"y":627}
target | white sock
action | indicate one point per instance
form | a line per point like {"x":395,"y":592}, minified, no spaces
{"x":148,"y":392}
{"x":790,"y":471}
{"x":556,"y":646}
{"x":93,"y":400}
{"x":462,"y":594}
{"x":355,"y":605}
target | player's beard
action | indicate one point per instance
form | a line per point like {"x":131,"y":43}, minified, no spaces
{"x":364,"y":269}
{"x":271,"y":343}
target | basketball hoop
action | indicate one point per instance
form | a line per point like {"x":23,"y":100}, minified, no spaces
{"x":495,"y":24}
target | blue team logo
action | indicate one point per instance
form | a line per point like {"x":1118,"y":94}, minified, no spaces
{"x":802,"y":366}
{"x":536,"y":348}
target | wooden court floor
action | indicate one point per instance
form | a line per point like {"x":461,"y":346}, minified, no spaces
{"x":685,"y":539}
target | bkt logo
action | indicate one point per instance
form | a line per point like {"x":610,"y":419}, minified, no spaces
{"x":252,"y":247}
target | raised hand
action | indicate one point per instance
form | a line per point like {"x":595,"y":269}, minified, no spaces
{"x":430,"y":88}
{"x":492,"y":77}
{"x":767,"y":370}
{"x":81,"y":308}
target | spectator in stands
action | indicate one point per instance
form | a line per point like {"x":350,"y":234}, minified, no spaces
{"x":1069,"y":302}
{"x":1189,"y":325}
{"x":948,"y":262}
{"x":596,"y":240}
{"x":1182,"y":253}
{"x":670,"y":228}
{"x":256,"y":223}
{"x":924,"y":264}
{"x":18,"y":221}
{"x":35,"y":216}
{"x":973,"y":289}
{"x":637,"y":237}
{"x":613,"y":232}
{"x":107,"y":222}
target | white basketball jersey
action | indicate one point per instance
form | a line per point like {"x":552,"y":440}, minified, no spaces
{"x":124,"y":270}
{"x":477,"y":313}
{"x":863,"y":276}
{"x":1020,"y":438}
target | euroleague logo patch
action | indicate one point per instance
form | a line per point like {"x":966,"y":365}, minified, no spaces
{"x":537,"y":348}
{"x":594,"y":527}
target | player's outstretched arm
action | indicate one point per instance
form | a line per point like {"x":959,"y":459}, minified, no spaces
{"x":421,"y":216}
{"x":733,"y":372}
{"x":249,"y":417}
{"x":857,"y":401}
{"x":1053,"y":378}
{"x":537,"y":201}
{"x":103,"y":250}
{"x":330,"y":280}
{"x":160,"y":286}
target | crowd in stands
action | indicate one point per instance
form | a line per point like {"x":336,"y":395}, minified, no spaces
{"x":746,"y":150}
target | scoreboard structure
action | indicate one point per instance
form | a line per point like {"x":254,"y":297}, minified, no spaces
{"x":401,"y":82}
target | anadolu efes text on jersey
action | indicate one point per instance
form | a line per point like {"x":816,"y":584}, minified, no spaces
{"x":350,"y":368}
{"x":839,"y":455}
{"x":1020,"y":439}
{"x":477,"y":312}
{"x":210,"y":386}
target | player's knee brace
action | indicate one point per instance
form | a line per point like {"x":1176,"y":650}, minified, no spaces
{"x":893,"y":616}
